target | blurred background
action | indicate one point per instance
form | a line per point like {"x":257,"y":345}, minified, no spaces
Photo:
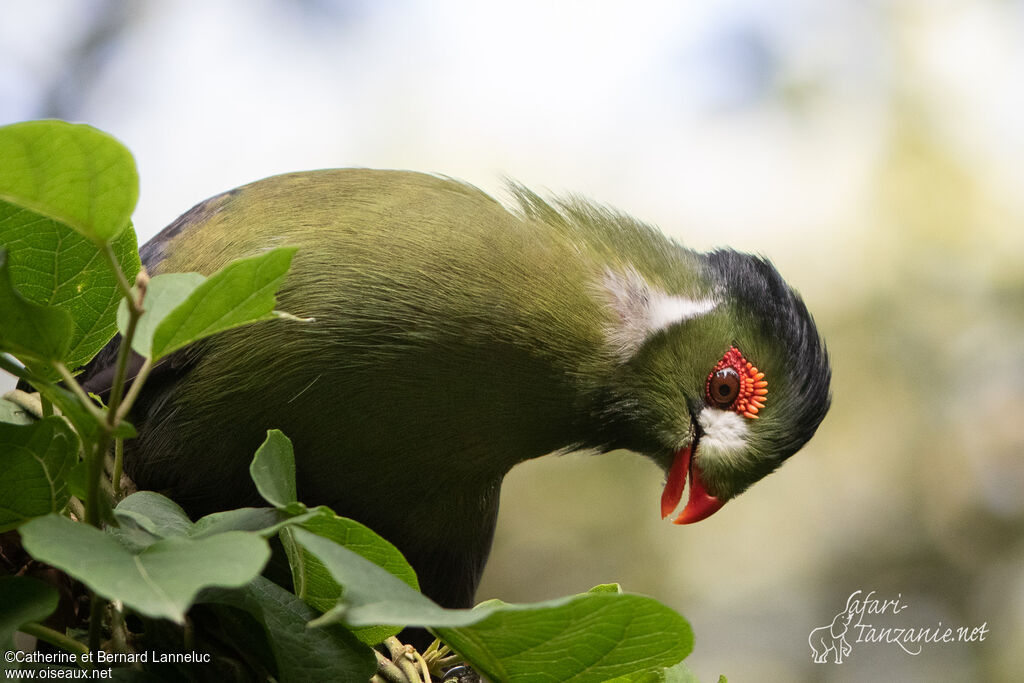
{"x":873,"y":150}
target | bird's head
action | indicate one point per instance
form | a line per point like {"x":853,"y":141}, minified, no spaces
{"x":723,"y":385}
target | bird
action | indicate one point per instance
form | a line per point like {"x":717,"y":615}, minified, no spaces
{"x":454,"y":336}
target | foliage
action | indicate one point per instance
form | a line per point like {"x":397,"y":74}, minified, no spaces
{"x":68,"y":256}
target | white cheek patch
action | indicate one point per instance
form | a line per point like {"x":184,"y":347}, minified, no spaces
{"x":643,"y":310}
{"x":725,"y":435}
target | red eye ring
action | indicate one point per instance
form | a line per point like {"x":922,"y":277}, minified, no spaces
{"x":736,"y":384}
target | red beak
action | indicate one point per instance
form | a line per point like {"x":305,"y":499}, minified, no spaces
{"x":701,"y":504}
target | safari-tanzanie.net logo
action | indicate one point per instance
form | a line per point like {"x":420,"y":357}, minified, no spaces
{"x":869,"y":619}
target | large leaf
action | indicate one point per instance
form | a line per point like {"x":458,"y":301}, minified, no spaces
{"x":24,"y":600}
{"x":52,"y":265}
{"x":160,"y":580}
{"x":160,"y":517}
{"x":240,"y":293}
{"x":35,"y":460}
{"x":30,"y":330}
{"x":12,"y":412}
{"x":314,"y":583}
{"x":71,"y":173}
{"x":373,"y":596}
{"x":301,"y":653}
{"x":359,"y":539}
{"x":264,"y":521}
{"x":589,"y":637}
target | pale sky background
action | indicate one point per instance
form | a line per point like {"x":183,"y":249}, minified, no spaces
{"x":777,"y":127}
{"x":731,"y":122}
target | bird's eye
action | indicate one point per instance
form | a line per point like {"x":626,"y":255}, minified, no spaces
{"x":724,"y":387}
{"x":736,"y":384}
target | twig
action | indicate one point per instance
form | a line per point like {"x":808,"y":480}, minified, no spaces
{"x":122,"y":282}
{"x":135,"y":311}
{"x":76,"y":509}
{"x":55,"y":638}
{"x":118,"y":629}
{"x":94,"y":471}
{"x":79,"y":392}
{"x":96,"y":609}
{"x":118,"y":467}
{"x":402,"y":655}
{"x":387,"y":669}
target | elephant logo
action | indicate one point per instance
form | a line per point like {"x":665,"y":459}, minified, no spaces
{"x":832,"y":638}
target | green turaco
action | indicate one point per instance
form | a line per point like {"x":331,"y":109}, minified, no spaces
{"x":456,"y":336}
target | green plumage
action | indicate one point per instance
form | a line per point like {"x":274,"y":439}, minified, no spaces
{"x":453,"y":338}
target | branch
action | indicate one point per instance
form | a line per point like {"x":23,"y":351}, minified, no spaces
{"x":55,"y":638}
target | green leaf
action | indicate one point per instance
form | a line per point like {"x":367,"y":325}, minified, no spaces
{"x":606,"y":588}
{"x":590,"y":637}
{"x":273,"y":470}
{"x":680,"y":673}
{"x":164,"y":293}
{"x":24,"y":600}
{"x":240,"y":638}
{"x":301,"y":653}
{"x":145,"y":517}
{"x":363,"y":541}
{"x":162,"y":517}
{"x":373,"y":596}
{"x":78,"y":480}
{"x":264,"y":521}
{"x":313,"y":582}
{"x":159,"y":581}
{"x":157,"y":514}
{"x":30,"y":331}
{"x":35,"y":460}
{"x":14,"y":413}
{"x":52,"y":265}
{"x":71,"y":173}
{"x":240,"y":293}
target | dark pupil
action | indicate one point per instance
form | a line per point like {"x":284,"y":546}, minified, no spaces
{"x":725,"y":386}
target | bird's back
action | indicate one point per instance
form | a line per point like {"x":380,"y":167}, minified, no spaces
{"x":436,"y":360}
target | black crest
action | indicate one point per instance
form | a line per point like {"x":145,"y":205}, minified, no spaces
{"x":782,"y":317}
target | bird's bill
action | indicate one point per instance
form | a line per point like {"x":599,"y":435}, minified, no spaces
{"x":701,"y":504}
